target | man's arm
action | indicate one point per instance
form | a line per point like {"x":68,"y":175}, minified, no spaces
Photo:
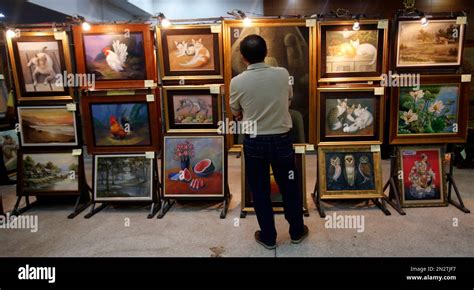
{"x":234,"y":101}
{"x":290,"y":95}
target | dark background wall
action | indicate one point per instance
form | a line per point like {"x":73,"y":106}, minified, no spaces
{"x":384,"y":8}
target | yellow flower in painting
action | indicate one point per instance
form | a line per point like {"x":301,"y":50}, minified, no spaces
{"x":409,"y":117}
{"x":417,"y":95}
{"x":437,"y":107}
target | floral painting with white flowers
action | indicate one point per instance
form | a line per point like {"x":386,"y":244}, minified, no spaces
{"x":430,"y":109}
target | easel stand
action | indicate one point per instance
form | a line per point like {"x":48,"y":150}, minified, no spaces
{"x":452,"y":185}
{"x":155,"y":204}
{"x":83,"y":200}
{"x":393,"y":198}
{"x":379,"y":202}
{"x":318,"y":201}
{"x":167,"y":203}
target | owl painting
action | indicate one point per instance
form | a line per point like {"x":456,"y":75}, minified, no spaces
{"x":350,"y":170}
{"x":365,"y":169}
{"x":335,"y":169}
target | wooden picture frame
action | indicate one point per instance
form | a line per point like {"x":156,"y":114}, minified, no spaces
{"x":128,"y":160}
{"x":51,"y":50}
{"x":430,"y":42}
{"x":10,"y":144}
{"x":47,"y":126}
{"x":207,"y":152}
{"x":350,"y":116}
{"x":246,"y":195}
{"x":192,"y":99}
{"x":423,"y":175}
{"x":49,"y":173}
{"x":404,"y":120}
{"x":364,"y":183}
{"x":345,"y":59}
{"x":204,"y":64}
{"x":121,"y":123}
{"x":91,"y":58}
{"x":302,"y":67}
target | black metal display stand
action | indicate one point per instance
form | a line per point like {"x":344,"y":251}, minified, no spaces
{"x":167,"y":203}
{"x":379,"y":202}
{"x":393,"y":198}
{"x":318,"y":201}
{"x":452,"y":185}
{"x":394,"y":194}
{"x":83,"y":199}
{"x":155,"y":203}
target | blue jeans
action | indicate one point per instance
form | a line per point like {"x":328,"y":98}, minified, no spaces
{"x":276,"y":150}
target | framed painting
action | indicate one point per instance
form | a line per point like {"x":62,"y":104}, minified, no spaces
{"x":190,"y":52}
{"x":276,"y":196}
{"x":119,"y":56}
{"x":191,"y":109}
{"x":290,"y":44}
{"x":40,"y":60}
{"x":193,"y":166}
{"x":115,"y":124}
{"x":346,"y":55}
{"x":435,"y":112}
{"x":3,"y":97}
{"x":349,"y":172}
{"x":423,"y":182}
{"x":468,"y":68}
{"x":350,"y":116}
{"x":124,"y":177}
{"x":10,"y":145}
{"x":438,"y":44}
{"x":47,"y":126}
{"x":52,"y":172}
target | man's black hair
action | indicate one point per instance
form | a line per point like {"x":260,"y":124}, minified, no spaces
{"x":253,"y":48}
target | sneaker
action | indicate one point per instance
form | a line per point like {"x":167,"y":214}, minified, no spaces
{"x":303,"y":236}
{"x":267,"y":246}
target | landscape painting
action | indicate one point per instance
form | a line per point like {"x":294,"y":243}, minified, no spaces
{"x":123,"y":177}
{"x":115,"y":56}
{"x":193,"y":166}
{"x":191,"y":52}
{"x":346,"y":116}
{"x":288,"y":47}
{"x":423,"y":180}
{"x":437,"y":44}
{"x":121,"y":124}
{"x":50,"y":172}
{"x":47,"y":126}
{"x":10,"y":145}
{"x":39,"y":64}
{"x":193,"y":109}
{"x":431,"y":109}
{"x":350,"y":51}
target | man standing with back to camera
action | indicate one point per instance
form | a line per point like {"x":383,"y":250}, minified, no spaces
{"x":262,"y":94}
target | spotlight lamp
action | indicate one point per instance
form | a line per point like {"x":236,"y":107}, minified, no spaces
{"x":10,"y":33}
{"x":163,"y":21}
{"x":356,"y":25}
{"x":86,"y":26}
{"x":239,"y":14}
{"x":423,"y":20}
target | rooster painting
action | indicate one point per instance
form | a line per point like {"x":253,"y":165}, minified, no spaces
{"x":116,"y":129}
{"x":121,"y":124}
{"x":117,"y":57}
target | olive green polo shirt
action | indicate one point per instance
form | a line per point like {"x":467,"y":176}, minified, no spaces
{"x":263,"y":94}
